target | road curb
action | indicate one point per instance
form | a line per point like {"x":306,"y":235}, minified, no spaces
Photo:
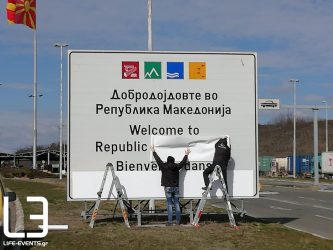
{"x":19,"y":221}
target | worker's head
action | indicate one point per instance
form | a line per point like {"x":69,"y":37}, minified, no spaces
{"x":170,"y":159}
{"x":225,"y":141}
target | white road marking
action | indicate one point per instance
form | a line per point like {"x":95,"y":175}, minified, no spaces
{"x":326,"y":190}
{"x":284,"y":201}
{"x":324,"y":217}
{"x":301,"y":197}
{"x":280,"y":208}
{"x":296,"y":203}
{"x":288,"y":187}
{"x":301,"y":230}
{"x":328,"y":208}
{"x":268,"y":192}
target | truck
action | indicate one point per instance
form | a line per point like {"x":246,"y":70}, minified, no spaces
{"x":327,"y":164}
{"x":280,"y":166}
{"x":304,"y":165}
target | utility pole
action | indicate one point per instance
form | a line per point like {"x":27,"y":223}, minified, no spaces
{"x":294,"y":81}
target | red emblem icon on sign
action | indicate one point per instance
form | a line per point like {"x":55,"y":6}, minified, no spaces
{"x":130,"y":70}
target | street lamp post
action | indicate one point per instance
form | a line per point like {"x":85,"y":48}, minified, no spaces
{"x":315,"y":146}
{"x":61,"y":46}
{"x":294,"y":81}
{"x":326,"y":125}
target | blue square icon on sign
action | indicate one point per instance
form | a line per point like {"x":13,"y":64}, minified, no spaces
{"x":175,"y":70}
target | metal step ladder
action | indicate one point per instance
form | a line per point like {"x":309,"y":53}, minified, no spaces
{"x":202,"y":203}
{"x":121,"y":197}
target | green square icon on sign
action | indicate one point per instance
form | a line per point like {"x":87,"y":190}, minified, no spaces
{"x":153,"y":70}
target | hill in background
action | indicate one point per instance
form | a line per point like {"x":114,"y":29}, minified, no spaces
{"x":276,"y":139}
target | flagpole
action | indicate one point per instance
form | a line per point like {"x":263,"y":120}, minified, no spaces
{"x":34,"y":161}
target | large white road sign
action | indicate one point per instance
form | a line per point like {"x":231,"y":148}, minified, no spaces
{"x":120,"y":102}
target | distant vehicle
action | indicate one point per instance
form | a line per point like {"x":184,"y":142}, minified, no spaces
{"x":307,"y":175}
{"x":268,"y":104}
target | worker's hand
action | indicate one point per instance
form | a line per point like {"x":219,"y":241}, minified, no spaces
{"x":152,"y":148}
{"x":187,"y":151}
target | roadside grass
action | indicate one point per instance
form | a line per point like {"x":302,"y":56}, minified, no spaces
{"x":214,"y":232}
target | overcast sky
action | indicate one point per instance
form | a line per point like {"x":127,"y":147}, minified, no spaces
{"x":293,"y":39}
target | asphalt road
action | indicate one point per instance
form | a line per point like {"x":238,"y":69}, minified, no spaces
{"x":299,"y":207}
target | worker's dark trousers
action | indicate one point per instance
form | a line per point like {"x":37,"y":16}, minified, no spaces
{"x":210,"y":169}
